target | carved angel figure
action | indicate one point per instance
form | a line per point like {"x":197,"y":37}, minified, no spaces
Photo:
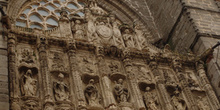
{"x":121,"y":92}
{"x":78,"y":30}
{"x":28,"y":84}
{"x":61,"y":90}
{"x":150,"y":99}
{"x":140,"y":35}
{"x":91,"y":94}
{"x":116,"y":31}
{"x":128,"y":38}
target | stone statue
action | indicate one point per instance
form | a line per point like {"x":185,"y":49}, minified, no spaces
{"x":63,"y":14}
{"x":61,"y":90}
{"x":140,"y":36}
{"x":78,"y":30}
{"x":121,"y":92}
{"x":91,"y":94}
{"x":128,"y":38}
{"x":178,"y":103}
{"x":28,"y":84}
{"x":150,"y":99}
{"x":116,"y":32}
{"x":202,"y":104}
{"x":90,"y":26}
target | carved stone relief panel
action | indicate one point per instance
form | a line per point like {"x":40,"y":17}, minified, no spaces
{"x":193,"y":81}
{"x":86,"y":63}
{"x":170,"y":79}
{"x":143,"y":72}
{"x":26,"y":55}
{"x":58,"y":61}
{"x":115,"y":69}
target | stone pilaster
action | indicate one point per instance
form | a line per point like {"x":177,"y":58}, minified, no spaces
{"x":207,"y":86}
{"x":109,"y":101}
{"x":133,"y":81}
{"x":177,"y":66}
{"x":79,"y":93}
{"x":46,"y":79}
{"x":14,"y":90}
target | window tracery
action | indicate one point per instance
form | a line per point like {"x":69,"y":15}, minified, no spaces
{"x":44,"y":14}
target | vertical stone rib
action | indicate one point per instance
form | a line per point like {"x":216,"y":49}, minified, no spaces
{"x":109,"y":101}
{"x":208,"y":88}
{"x":76,"y":80}
{"x":12,"y":67}
{"x":42,"y":46}
{"x":133,"y":84}
{"x":165,"y":97}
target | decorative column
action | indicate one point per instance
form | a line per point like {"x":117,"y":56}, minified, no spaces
{"x":133,"y":81}
{"x":46,"y":79}
{"x":109,"y":101}
{"x":160,"y":84}
{"x":79,"y":93}
{"x":206,"y":85}
{"x":177,"y":66}
{"x":14,"y":90}
{"x":164,"y":95}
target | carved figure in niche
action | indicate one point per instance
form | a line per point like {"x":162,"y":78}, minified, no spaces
{"x":192,"y":82}
{"x":144,"y":74}
{"x":154,"y":69}
{"x":116,"y":32}
{"x":169,"y":78}
{"x":179,"y":103}
{"x":88,"y":66}
{"x":202,"y":104}
{"x":63,"y":14}
{"x":78,"y":30}
{"x":90,"y":28}
{"x":61,"y":90}
{"x":150,"y":99}
{"x":177,"y":65}
{"x":140,"y":35}
{"x":91,"y":94}
{"x":58,"y":62}
{"x":27,"y":56}
{"x":128,"y":38}
{"x":28,"y":84}
{"x":121,"y":92}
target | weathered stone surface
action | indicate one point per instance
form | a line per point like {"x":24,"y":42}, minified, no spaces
{"x":54,"y":67}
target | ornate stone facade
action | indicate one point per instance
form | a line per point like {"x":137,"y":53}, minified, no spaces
{"x":98,"y":62}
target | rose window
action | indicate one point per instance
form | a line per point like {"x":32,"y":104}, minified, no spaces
{"x":44,"y":14}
